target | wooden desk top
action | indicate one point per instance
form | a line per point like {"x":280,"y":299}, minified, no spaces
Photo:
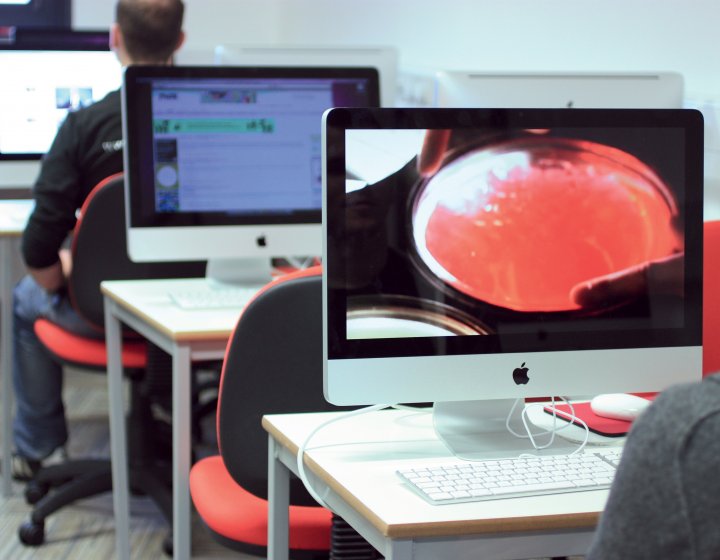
{"x":357,"y":458}
{"x":149,"y":300}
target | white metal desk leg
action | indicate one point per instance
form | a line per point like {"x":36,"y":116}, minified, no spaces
{"x":118,"y":439}
{"x":6,"y":280}
{"x":278,"y":505}
{"x":399,"y":550}
{"x":182,"y":440}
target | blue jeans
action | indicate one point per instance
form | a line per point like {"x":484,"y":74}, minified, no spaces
{"x":39,"y":426}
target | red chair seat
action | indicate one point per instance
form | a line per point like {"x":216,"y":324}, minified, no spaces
{"x":235,"y":513}
{"x":75,"y":349}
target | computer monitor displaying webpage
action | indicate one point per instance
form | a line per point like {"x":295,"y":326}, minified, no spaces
{"x":383,"y":58}
{"x":224,"y":163}
{"x":616,"y":90}
{"x":45,"y":76}
{"x":473,"y":257}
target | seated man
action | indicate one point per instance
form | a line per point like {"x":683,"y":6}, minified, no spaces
{"x":87,"y":149}
{"x":665,"y":500}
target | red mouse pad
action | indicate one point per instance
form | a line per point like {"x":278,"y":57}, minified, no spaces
{"x":597,"y":424}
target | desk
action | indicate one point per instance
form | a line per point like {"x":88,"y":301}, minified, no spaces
{"x":352,"y":463}
{"x":13,"y":217}
{"x":187,"y":336}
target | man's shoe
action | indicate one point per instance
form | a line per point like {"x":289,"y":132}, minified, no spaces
{"x":24,"y":469}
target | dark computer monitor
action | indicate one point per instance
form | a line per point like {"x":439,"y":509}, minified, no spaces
{"x":45,"y":74}
{"x":384,"y":58}
{"x":530,"y":253}
{"x":224,"y":163}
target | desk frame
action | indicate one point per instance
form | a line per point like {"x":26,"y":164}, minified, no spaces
{"x":554,"y":535}
{"x":183,"y":353}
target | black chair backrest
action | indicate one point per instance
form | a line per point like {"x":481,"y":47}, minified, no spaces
{"x":273,"y":366}
{"x":100,"y":252}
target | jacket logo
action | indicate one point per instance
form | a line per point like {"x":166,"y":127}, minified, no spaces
{"x":112,"y":146}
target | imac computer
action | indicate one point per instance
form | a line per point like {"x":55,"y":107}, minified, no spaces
{"x":613,"y":90}
{"x":224,"y":163}
{"x":45,"y":75}
{"x":384,"y":58}
{"x":473,"y":257}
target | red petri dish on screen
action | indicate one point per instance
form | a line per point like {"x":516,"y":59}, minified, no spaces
{"x":520,"y":223}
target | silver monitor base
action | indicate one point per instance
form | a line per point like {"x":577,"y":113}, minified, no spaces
{"x":476,"y":430}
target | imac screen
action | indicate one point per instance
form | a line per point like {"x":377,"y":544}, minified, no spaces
{"x":43,"y":81}
{"x":213,"y":147}
{"x":463,"y":243}
{"x":616,"y":90}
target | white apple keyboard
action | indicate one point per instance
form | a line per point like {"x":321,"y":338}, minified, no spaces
{"x":474,"y":481}
{"x":213,"y":297}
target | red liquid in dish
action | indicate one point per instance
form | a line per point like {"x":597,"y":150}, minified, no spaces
{"x":520,"y":229}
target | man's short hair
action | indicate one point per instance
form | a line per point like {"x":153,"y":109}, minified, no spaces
{"x":150,"y":28}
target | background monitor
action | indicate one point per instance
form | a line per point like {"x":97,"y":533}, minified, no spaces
{"x":384,"y":58}
{"x":44,"y":76}
{"x":654,"y":90}
{"x":482,"y":269}
{"x":224,"y":163}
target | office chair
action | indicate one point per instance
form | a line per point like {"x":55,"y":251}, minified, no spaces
{"x":273,"y":364}
{"x":99,"y":253}
{"x":711,"y":297}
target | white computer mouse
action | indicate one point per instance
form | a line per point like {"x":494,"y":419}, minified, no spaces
{"x":619,"y":406}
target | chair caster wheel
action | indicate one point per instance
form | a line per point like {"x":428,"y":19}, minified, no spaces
{"x":35,"y":491}
{"x":167,"y":545}
{"x":32,"y":533}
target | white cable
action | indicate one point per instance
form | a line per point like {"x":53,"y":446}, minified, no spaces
{"x":409,"y":407}
{"x":572,"y":420}
{"x":301,"y":450}
{"x":555,"y":428}
{"x":528,"y":434}
{"x":585,"y":439}
{"x":523,"y":417}
{"x":300,"y":262}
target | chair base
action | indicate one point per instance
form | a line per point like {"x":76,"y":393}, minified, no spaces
{"x":57,"y":486}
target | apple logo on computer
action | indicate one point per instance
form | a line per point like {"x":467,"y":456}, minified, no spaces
{"x":520,"y":375}
{"x":261,"y":241}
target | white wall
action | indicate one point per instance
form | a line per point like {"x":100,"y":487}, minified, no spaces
{"x":581,"y":35}
{"x":678,"y":35}
{"x":526,"y":34}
